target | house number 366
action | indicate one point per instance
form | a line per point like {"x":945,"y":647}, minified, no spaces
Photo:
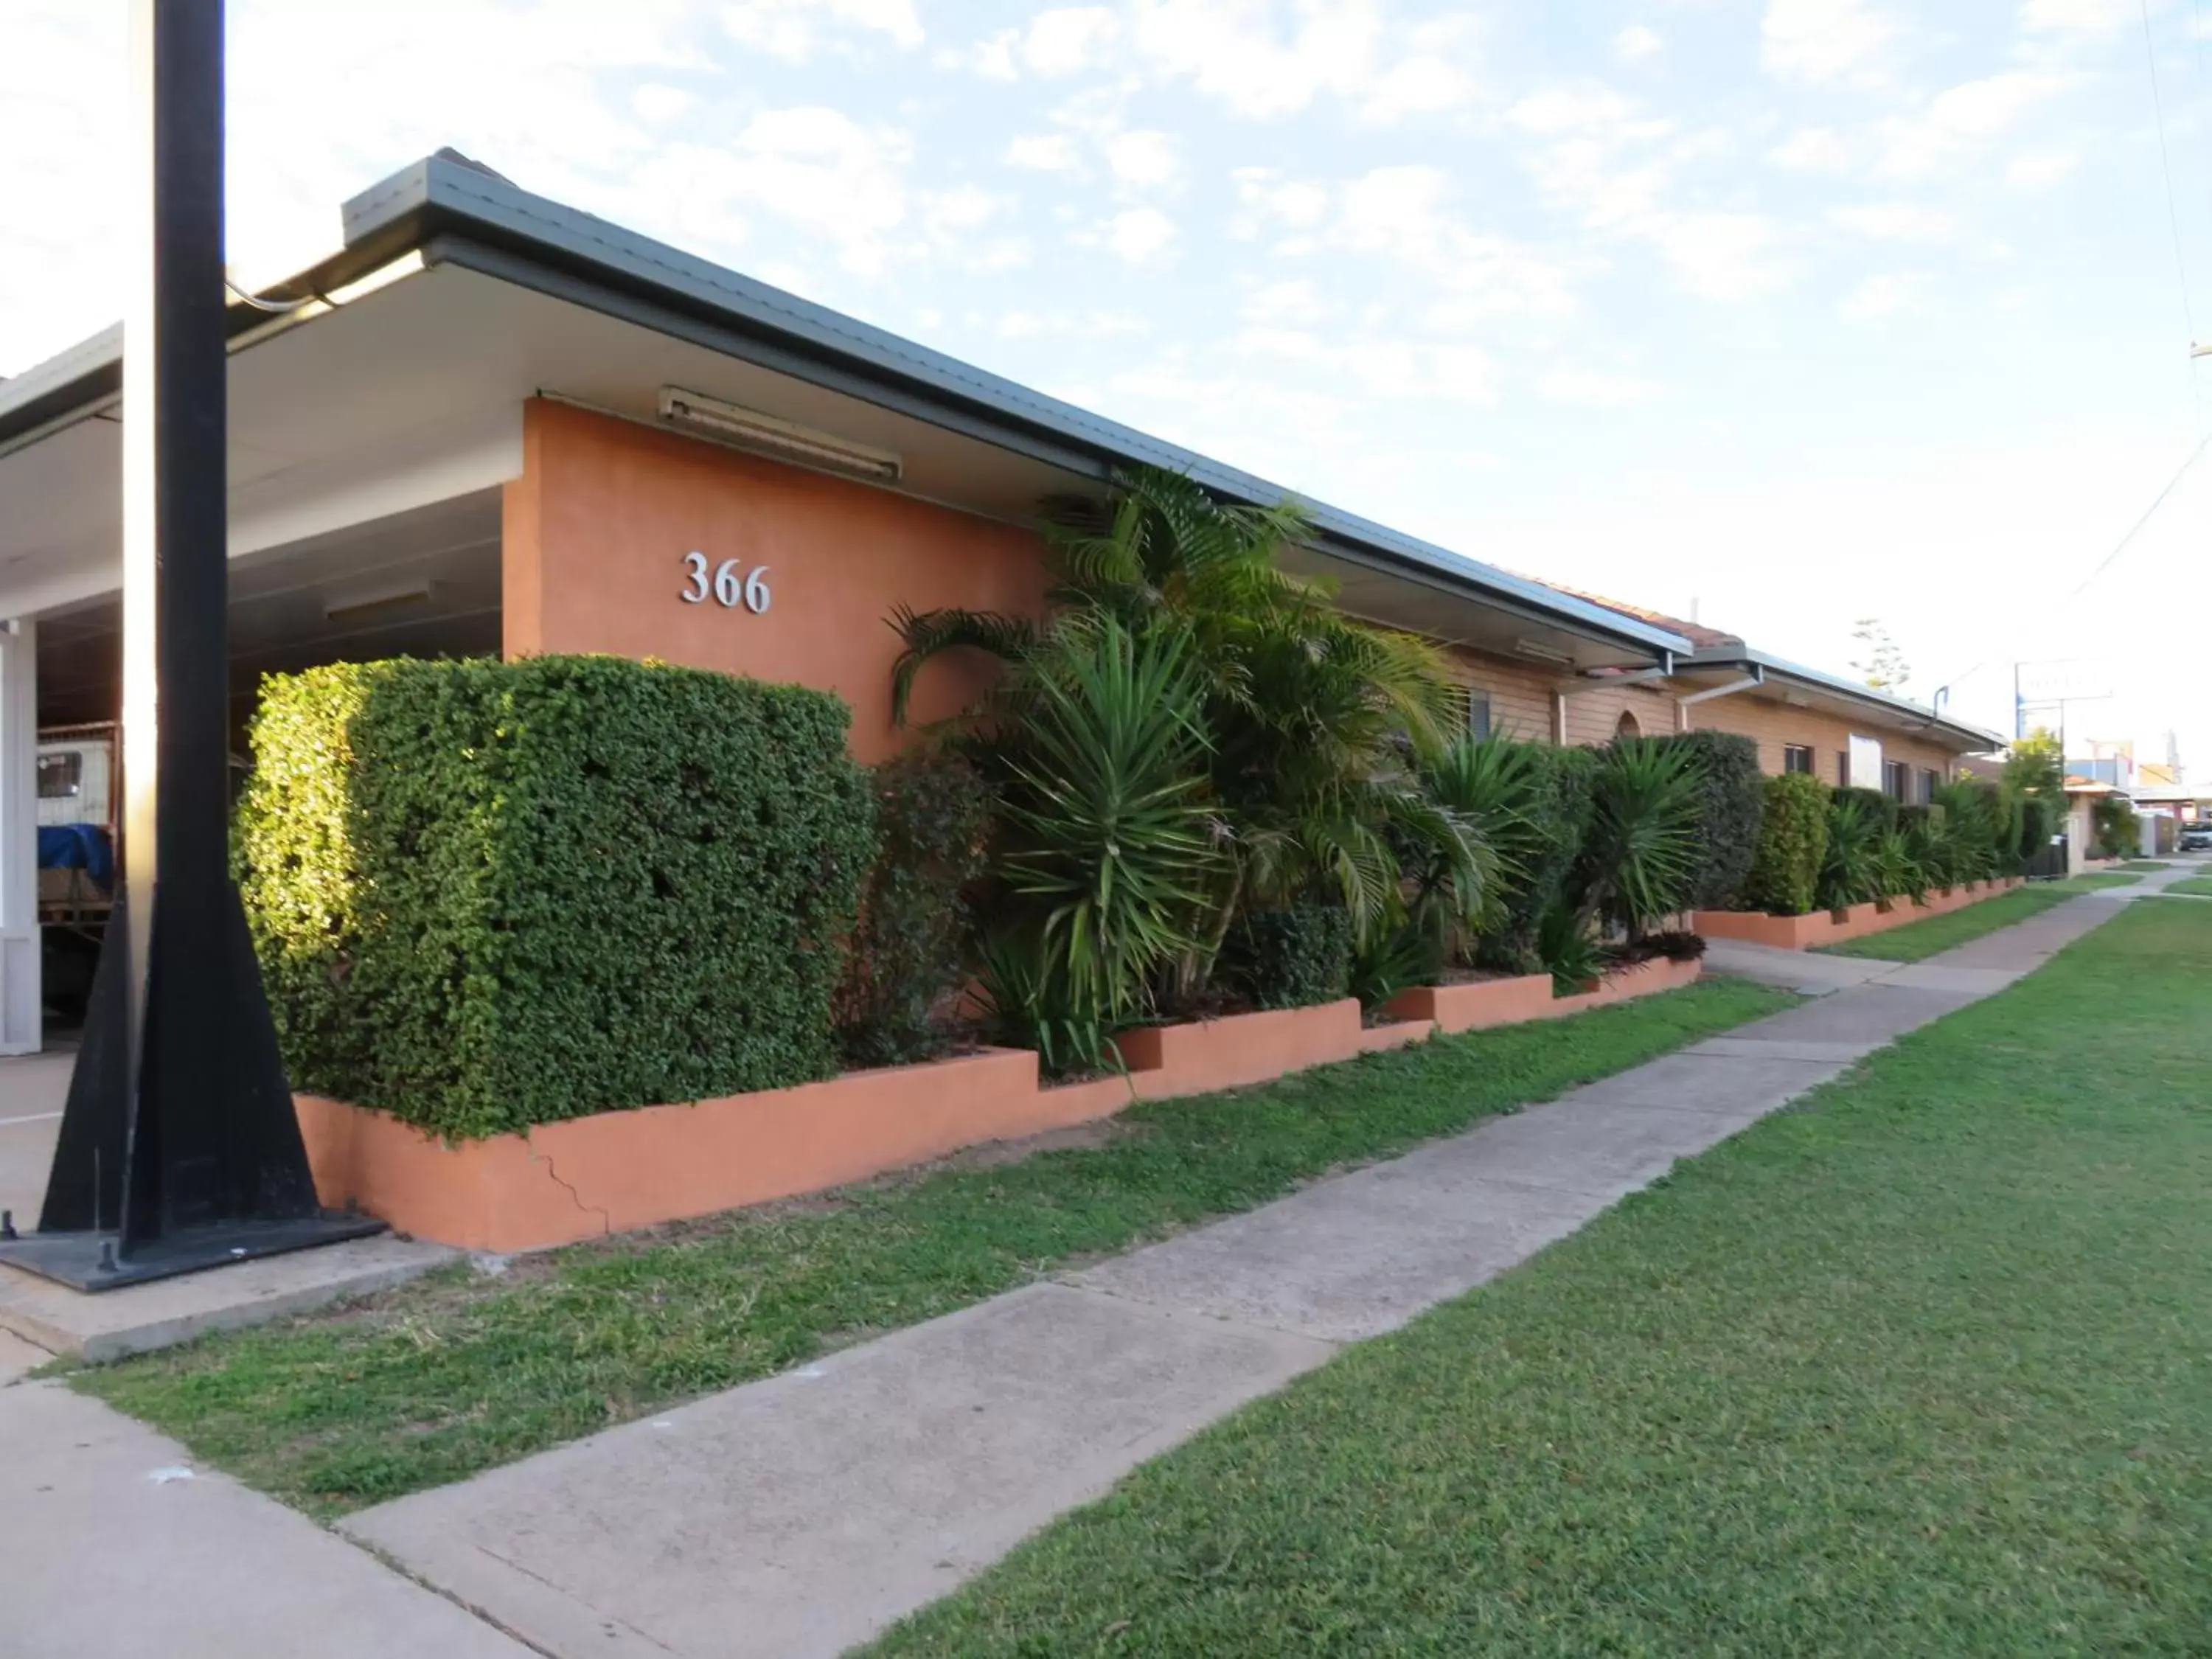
{"x":726,"y":586}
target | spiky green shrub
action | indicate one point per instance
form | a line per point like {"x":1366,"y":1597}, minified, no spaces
{"x":487,"y":894}
{"x":1639,"y":860}
{"x":1558,"y":810}
{"x":1105,"y":856}
{"x":1792,"y":840}
{"x":1851,"y":867}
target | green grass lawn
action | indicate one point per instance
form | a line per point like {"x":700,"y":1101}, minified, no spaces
{"x":460,"y":1371}
{"x":2195,"y":886}
{"x":1924,"y":1367}
{"x":1913,"y":940}
{"x":2145,"y":866}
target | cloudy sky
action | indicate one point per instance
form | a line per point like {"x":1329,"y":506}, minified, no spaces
{"x":1795,"y":311}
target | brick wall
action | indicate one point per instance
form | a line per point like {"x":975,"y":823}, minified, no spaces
{"x":1774,"y":724}
{"x":1521,"y":706}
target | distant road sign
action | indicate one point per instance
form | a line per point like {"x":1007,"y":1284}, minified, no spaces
{"x":2073,"y":680}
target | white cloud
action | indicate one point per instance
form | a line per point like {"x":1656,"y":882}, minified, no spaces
{"x":1896,"y":221}
{"x":1636,"y":43}
{"x":2041,"y":169}
{"x":1819,"y":41}
{"x":1885,"y":297}
{"x":1142,"y":157}
{"x":1417,"y":86}
{"x":964,"y":208}
{"x":1594,"y":388}
{"x":1233,"y":51}
{"x":1141,"y":235}
{"x":1959,"y":122}
{"x":1404,"y":215}
{"x":1813,"y":149}
{"x":795,"y":29}
{"x":992,"y":57}
{"x":1267,"y":201}
{"x":2055,"y":16}
{"x":1296,"y":304}
{"x":1093,"y":324}
{"x":1052,"y":152}
{"x":1722,"y":256}
{"x":1067,"y":40}
{"x":813,"y":168}
{"x":661,"y":104}
{"x":1393,"y":367}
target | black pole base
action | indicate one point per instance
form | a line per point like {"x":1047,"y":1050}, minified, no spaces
{"x":90,"y":1261}
{"x":205,"y":1167}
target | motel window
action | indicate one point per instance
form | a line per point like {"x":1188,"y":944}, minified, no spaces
{"x":1896,"y":780}
{"x":1470,"y":708}
{"x":1842,"y":769}
{"x":1928,"y":778}
{"x":1798,"y":757}
{"x":61,"y":777}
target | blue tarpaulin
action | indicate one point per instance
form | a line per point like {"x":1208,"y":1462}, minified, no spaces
{"x":77,"y":847}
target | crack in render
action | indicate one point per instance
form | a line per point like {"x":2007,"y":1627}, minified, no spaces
{"x":606,"y":1219}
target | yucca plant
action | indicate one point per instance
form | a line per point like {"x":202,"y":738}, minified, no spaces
{"x":1850,"y":871}
{"x":1567,"y":948}
{"x":1639,"y":860}
{"x":1106,"y":842}
{"x":1897,"y":872}
{"x":1490,"y":786}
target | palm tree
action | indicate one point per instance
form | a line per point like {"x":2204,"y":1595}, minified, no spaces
{"x":1312,"y":719}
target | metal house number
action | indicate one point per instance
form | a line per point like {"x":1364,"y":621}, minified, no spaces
{"x":726,"y":586}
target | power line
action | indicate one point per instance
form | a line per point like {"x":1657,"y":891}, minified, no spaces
{"x":2172,"y":211}
{"x":2136,"y":529}
{"x":2119,"y":547}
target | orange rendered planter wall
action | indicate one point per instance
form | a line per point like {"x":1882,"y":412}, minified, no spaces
{"x":1804,"y":932}
{"x":1472,"y":1007}
{"x":560,"y":1182}
{"x":1641,"y":978}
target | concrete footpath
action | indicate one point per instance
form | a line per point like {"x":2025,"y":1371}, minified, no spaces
{"x":799,"y":1515}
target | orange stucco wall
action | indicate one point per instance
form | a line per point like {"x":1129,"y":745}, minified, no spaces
{"x":596,"y":529}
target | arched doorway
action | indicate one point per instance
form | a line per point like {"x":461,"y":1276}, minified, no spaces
{"x":1626,"y":725}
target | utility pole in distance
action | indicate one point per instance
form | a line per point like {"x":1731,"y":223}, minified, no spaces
{"x":179,"y":1146}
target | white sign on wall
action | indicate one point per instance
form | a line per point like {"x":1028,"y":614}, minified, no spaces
{"x":1866,"y":762}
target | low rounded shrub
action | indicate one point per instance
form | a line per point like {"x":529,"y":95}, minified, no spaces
{"x":1291,"y":958}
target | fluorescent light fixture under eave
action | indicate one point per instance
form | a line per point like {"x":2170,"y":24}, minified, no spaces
{"x":767,"y":434}
{"x":1542,"y":653}
{"x":374,"y":604}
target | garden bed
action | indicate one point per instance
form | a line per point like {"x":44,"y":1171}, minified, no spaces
{"x":1833,"y":928}
{"x":611,"y":1172}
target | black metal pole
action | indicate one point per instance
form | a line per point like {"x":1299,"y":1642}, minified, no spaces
{"x":178,"y":1148}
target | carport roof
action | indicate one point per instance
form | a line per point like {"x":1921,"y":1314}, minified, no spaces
{"x":451,"y":211}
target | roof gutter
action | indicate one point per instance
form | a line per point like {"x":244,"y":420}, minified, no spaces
{"x":1754,"y":663}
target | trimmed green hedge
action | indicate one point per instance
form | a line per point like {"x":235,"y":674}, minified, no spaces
{"x":1792,"y":841}
{"x":486,"y":894}
{"x":1291,"y":958}
{"x":1731,"y":802}
{"x":910,"y":952}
